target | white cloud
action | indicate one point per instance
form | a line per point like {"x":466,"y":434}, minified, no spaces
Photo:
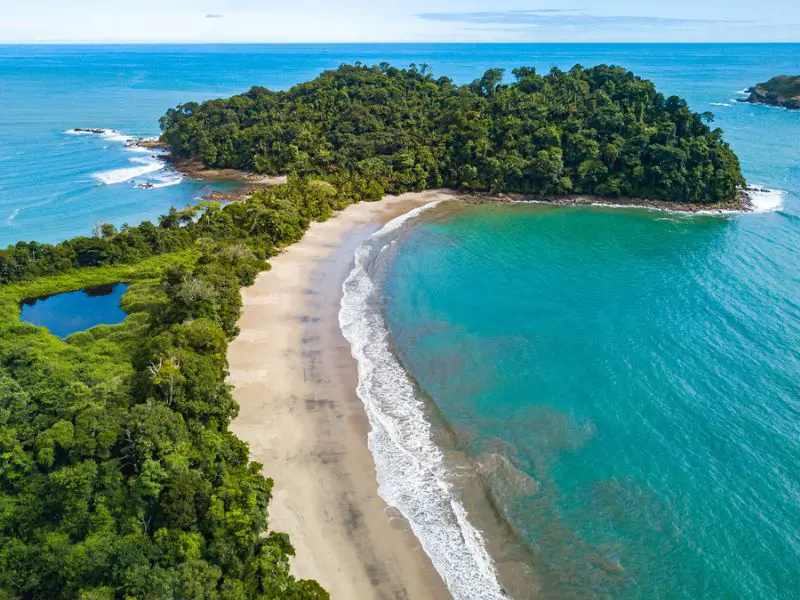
{"x":268,"y":21}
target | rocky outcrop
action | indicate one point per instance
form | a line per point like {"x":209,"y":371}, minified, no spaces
{"x":779,"y":91}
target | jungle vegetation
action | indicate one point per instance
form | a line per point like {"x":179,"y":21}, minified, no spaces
{"x":119,"y":477}
{"x":600,"y":130}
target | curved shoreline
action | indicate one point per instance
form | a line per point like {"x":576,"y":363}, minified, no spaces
{"x":411,"y":470}
{"x":295,"y":382}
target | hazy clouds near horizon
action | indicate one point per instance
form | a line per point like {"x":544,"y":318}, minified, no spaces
{"x":412,"y":21}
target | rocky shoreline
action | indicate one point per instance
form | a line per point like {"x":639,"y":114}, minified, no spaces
{"x":249,"y":183}
{"x":782,"y":91}
{"x":742,"y":203}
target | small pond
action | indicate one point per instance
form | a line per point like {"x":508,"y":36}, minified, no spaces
{"x":71,"y":312}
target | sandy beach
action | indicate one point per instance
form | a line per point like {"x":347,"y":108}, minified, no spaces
{"x":295,"y":382}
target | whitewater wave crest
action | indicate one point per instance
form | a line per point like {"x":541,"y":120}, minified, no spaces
{"x":765,"y":200}
{"x":153,"y":163}
{"x":145,"y":166}
{"x":168,"y":183}
{"x":111,"y":135}
{"x":411,"y":472}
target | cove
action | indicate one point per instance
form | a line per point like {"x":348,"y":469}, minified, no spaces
{"x":617,"y":387}
{"x":71,"y":312}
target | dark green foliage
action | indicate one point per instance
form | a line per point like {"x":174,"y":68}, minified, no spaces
{"x":593,"y":131}
{"x":269,"y":219}
{"x":119,"y":477}
{"x":783,"y":85}
{"x":130,"y":245}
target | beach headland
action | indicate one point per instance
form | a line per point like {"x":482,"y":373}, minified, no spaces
{"x":295,"y":381}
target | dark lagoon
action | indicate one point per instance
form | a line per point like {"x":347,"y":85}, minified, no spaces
{"x":71,"y":312}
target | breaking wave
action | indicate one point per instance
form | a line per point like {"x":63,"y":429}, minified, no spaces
{"x":764,"y":200}
{"x":153,"y":163}
{"x":145,"y":166}
{"x":410,"y":467}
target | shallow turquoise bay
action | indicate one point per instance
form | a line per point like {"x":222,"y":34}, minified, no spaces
{"x":639,"y":371}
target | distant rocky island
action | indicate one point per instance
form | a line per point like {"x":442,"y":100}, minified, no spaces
{"x":783,"y":90}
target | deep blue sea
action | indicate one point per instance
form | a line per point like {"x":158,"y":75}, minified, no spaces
{"x":604,"y":400}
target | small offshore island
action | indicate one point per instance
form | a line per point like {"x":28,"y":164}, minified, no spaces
{"x":783,"y":90}
{"x":123,"y":476}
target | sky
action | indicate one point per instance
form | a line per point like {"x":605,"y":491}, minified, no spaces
{"x":270,"y":21}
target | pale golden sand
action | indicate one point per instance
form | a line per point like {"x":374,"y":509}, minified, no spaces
{"x":295,"y":383}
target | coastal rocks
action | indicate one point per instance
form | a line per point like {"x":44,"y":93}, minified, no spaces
{"x":151,"y":143}
{"x":91,"y":131}
{"x":783,"y":90}
{"x":740,"y":203}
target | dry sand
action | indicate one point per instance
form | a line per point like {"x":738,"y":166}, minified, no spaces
{"x":295,"y":382}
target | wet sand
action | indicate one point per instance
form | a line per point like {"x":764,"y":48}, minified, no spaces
{"x":295,"y":383}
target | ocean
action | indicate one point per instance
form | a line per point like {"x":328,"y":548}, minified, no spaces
{"x":54,"y":185}
{"x":566,"y":402}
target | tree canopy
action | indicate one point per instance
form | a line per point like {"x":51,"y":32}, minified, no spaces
{"x":119,"y":477}
{"x":600,"y":130}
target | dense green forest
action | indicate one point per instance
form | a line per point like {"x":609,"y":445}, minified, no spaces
{"x":591,"y":131}
{"x":119,"y":477}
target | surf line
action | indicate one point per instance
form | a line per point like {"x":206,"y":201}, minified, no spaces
{"x":412,"y":476}
{"x":146,"y":167}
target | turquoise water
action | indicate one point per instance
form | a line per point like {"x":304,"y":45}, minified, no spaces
{"x":639,"y":373}
{"x":71,"y":312}
{"x":54,"y":186}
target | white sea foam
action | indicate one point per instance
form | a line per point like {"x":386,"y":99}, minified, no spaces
{"x":167,"y":181}
{"x":116,"y":136}
{"x":764,"y":200}
{"x":140,"y":150}
{"x":153,"y":163}
{"x":145,"y":166}
{"x":112,"y":135}
{"x":721,"y":104}
{"x":411,"y":473}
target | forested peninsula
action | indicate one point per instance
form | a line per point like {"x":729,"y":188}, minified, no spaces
{"x":600,"y":131}
{"x":119,"y":476}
